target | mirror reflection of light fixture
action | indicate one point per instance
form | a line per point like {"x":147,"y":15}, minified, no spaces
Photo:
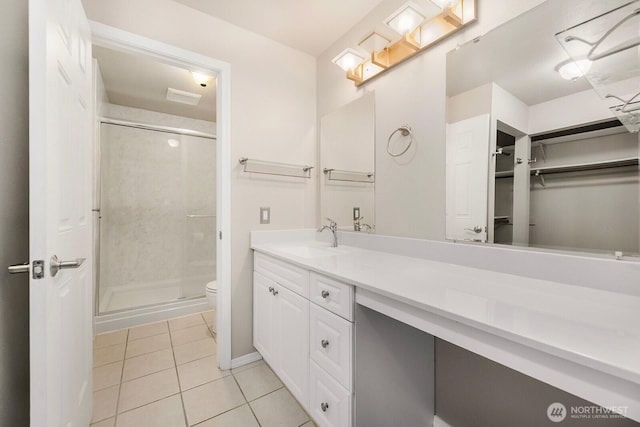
{"x":373,"y":43}
{"x":200,"y":78}
{"x":573,"y":70}
{"x":419,"y":28}
{"x":348,"y":59}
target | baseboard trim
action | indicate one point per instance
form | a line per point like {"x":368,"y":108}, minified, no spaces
{"x":245,"y":360}
{"x":438,"y":422}
{"x":141,"y":316}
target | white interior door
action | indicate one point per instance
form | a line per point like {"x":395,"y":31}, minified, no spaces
{"x":59,"y":212}
{"x":467,"y":179}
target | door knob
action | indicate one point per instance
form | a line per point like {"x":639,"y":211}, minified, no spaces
{"x":324,"y":294}
{"x":324,"y":343}
{"x":476,"y":229}
{"x":56,"y":265}
{"x":324,"y":406}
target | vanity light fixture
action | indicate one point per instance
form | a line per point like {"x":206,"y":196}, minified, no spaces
{"x":573,"y":70}
{"x":419,"y":28}
{"x":200,"y":78}
{"x":406,"y":19}
{"x":348,"y":59}
{"x":443,"y":4}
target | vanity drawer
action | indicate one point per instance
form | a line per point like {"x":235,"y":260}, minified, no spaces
{"x":330,"y":344}
{"x":290,"y":276}
{"x":329,"y":402}
{"x":332,"y":295}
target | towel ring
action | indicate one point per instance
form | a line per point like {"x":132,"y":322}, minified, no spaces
{"x":405,"y":130}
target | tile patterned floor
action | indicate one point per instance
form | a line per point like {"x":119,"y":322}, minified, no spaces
{"x":165,"y":375}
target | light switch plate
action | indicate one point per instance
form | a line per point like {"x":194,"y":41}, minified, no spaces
{"x":356,"y":213}
{"x":265,"y":215}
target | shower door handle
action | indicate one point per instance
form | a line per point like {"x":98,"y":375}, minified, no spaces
{"x":56,"y":265}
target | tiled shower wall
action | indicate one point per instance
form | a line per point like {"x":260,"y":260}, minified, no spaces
{"x":150,"y":182}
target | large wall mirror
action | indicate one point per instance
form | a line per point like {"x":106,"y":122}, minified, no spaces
{"x":347,"y":146}
{"x":534,"y":159}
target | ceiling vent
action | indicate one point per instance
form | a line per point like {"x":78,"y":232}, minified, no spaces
{"x":183,"y":97}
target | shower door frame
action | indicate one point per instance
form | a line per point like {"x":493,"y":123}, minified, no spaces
{"x":124,"y":41}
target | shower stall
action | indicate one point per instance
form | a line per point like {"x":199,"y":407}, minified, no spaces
{"x":156,"y":218}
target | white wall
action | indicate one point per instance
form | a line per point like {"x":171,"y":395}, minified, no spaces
{"x":410,"y":191}
{"x":471,"y":103}
{"x":562,"y":113}
{"x":273,"y":117}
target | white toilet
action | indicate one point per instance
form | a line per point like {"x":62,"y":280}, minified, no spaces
{"x":212,"y":290}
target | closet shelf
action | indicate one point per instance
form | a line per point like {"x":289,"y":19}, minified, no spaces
{"x":498,"y":220}
{"x":275,"y":168}
{"x":605,"y":164}
{"x":610,"y":41}
{"x":347,"y":175}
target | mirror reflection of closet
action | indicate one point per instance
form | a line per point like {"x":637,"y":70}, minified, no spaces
{"x":503,"y":209}
{"x":563,"y":171}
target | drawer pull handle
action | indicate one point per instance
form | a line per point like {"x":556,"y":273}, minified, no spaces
{"x":275,"y":292}
{"x":324,"y":406}
{"x":271,"y":289}
{"x":324,"y":343}
{"x":324,"y":294}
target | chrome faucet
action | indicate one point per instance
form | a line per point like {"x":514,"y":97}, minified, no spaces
{"x":361,"y":226}
{"x":333,"y":228}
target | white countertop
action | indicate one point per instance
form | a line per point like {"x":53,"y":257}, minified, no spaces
{"x":592,"y":327}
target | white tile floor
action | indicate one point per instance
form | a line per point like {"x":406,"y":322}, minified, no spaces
{"x":165,"y":375}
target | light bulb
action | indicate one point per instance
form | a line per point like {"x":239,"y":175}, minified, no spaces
{"x":573,"y":70}
{"x":200,"y":78}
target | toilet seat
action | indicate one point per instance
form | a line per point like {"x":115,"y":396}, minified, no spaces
{"x":212,"y":286}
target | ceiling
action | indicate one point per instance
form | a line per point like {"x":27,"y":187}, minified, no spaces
{"x":307,"y":25}
{"x":141,"y":82}
{"x":522,"y":54}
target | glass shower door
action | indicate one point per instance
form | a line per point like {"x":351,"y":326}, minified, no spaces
{"x":157,"y":225}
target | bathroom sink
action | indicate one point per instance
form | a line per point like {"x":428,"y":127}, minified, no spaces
{"x":313,"y":250}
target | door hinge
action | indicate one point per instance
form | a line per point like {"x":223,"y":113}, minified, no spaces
{"x":37,"y":271}
{"x":220,"y":235}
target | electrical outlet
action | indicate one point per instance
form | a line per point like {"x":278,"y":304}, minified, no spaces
{"x":265,"y":215}
{"x":356,"y":213}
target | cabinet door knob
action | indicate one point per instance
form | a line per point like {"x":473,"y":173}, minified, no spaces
{"x":324,"y":406}
{"x":324,"y":294}
{"x":275,"y":292}
{"x":324,"y":343}
{"x":271,"y":289}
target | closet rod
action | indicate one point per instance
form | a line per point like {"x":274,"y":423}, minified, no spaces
{"x":158,"y":128}
{"x":610,"y":164}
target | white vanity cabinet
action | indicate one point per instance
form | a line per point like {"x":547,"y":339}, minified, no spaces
{"x":303,"y":327}
{"x":281,"y":327}
{"x":331,"y":347}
